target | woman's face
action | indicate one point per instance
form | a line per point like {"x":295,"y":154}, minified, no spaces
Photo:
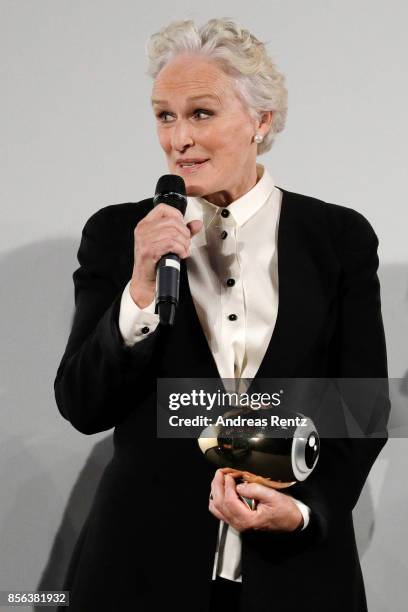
{"x":199,"y":117}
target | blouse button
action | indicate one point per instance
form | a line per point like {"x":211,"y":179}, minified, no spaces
{"x":225,"y":212}
{"x":224,"y":234}
{"x":232,"y":317}
{"x":230,"y":282}
{"x":145,"y":330}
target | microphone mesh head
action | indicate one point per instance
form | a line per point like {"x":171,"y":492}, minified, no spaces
{"x":171,"y":182}
{"x":171,"y":190}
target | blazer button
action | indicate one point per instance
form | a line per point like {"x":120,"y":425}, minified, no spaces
{"x":224,"y":234}
{"x":232,"y":317}
{"x":145,"y":330}
{"x":230,"y":282}
{"x":225,"y":212}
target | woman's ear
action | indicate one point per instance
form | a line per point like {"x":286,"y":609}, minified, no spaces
{"x":265,"y":122}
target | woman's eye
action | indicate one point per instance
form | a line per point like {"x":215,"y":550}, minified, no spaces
{"x":200,"y":111}
{"x":162,"y":116}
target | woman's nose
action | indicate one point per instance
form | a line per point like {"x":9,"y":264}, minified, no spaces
{"x":182,"y":135}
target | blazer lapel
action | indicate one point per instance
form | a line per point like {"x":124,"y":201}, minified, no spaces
{"x":306,"y":281}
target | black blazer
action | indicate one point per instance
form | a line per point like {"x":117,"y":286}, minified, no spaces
{"x":149,"y":534}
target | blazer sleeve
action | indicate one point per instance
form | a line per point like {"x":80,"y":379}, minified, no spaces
{"x":358,"y":350}
{"x":97,"y":368}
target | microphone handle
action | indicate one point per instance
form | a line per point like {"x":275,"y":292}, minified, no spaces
{"x":167,"y":288}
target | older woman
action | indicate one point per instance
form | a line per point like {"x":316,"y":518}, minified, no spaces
{"x":153,"y":536}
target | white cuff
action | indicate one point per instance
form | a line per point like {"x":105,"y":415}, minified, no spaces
{"x":136,"y":323}
{"x":305,"y":510}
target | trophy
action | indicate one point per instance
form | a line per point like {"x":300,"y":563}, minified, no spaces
{"x":248,"y":449}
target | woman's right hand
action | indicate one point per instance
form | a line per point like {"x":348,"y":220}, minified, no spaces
{"x":163,"y":230}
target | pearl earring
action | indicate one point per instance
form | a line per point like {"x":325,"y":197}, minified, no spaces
{"x":258,"y":138}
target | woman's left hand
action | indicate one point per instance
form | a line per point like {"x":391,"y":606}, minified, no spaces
{"x":274,"y":512}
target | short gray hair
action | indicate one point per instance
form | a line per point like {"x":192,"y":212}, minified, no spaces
{"x":242,"y":56}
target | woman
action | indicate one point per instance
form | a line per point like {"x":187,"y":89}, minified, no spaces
{"x":151,"y":535}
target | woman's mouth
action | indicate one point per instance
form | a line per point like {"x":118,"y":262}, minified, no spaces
{"x":189,"y":167}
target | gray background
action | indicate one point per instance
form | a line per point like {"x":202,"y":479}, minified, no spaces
{"x":78,"y":133}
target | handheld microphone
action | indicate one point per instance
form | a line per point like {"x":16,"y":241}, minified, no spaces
{"x":171,"y":190}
